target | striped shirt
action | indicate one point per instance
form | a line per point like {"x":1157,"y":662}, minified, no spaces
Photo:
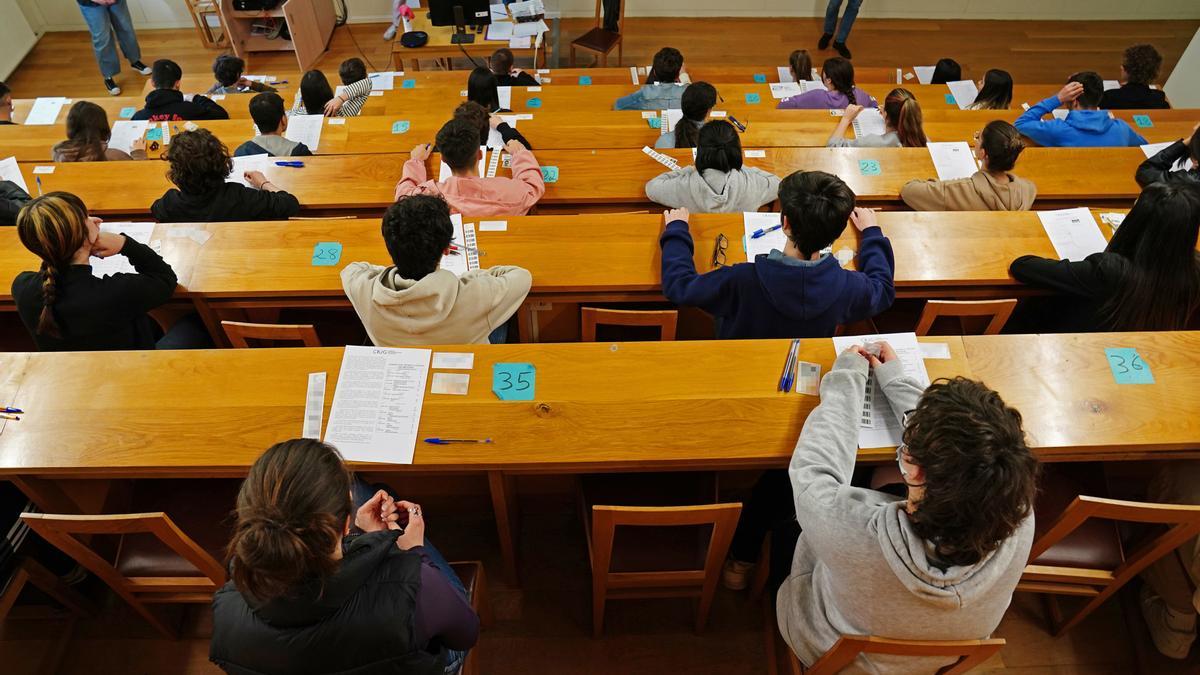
{"x":356,"y":94}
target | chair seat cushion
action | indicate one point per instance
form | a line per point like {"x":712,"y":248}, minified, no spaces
{"x":597,"y":40}
{"x":202,"y":509}
{"x":1094,"y":544}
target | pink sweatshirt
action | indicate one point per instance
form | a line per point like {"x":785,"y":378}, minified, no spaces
{"x":479,"y":197}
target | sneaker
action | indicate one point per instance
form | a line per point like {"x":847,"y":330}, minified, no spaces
{"x":823,"y":43}
{"x":1173,"y":634}
{"x":736,"y":574}
{"x":112,"y":87}
{"x":390,"y":33}
{"x":841,"y":49}
{"x":140,"y":67}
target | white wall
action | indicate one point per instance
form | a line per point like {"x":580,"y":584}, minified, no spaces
{"x":1183,"y":85}
{"x":17,"y":37}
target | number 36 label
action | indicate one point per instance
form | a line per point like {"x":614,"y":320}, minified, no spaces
{"x":1127,"y":366}
{"x":514,"y":381}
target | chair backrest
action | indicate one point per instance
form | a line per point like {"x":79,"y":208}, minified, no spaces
{"x":971,"y":653}
{"x":238,"y":332}
{"x":722,"y":517}
{"x":665,"y":319}
{"x":999,"y":310}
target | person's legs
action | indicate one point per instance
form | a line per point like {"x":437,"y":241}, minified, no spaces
{"x":770,"y":504}
{"x":831,"y":16}
{"x":122,"y":24}
{"x":847,"y":21}
{"x":102,"y":39}
{"x":188,"y":332}
{"x":500,"y":335}
{"x":783,"y":548}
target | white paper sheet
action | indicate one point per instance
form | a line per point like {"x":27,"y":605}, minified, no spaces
{"x":500,"y":31}
{"x":1060,"y":113}
{"x":785,"y":89}
{"x":520,"y":42}
{"x":879,"y":426}
{"x":11,"y":171}
{"x":1073,"y":232}
{"x":935,"y":350}
{"x":305,"y":129}
{"x":869,"y":122}
{"x":385,"y":81}
{"x":45,"y":110}
{"x":812,"y":85}
{"x":964,"y":92}
{"x":314,"y":406}
{"x":454,"y":360}
{"x":753,"y":221}
{"x":952,"y":160}
{"x":499,"y":12}
{"x":1112,"y":84}
{"x":377,"y":404}
{"x":467,"y":257}
{"x":924,"y":73}
{"x":785,"y":73}
{"x":669,"y":119}
{"x":444,"y":172}
{"x":504,"y":94}
{"x":1152,"y":149}
{"x":116,"y":264}
{"x":457,"y":384}
{"x":124,"y":133}
{"x":247,"y":163}
{"x":260,"y":78}
{"x":530,"y":29}
{"x":493,"y":226}
{"x":666,"y":160}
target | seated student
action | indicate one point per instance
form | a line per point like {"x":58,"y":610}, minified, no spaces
{"x":87,"y":137}
{"x":992,"y":188}
{"x":356,"y":87}
{"x":1147,"y":278}
{"x":838,"y":76}
{"x":465,"y":190}
{"x":507,"y":75}
{"x":483,"y":88}
{"x":718,"y":183}
{"x":327,"y":577}
{"x":228,"y":70}
{"x":932,"y":566}
{"x":1159,"y":167}
{"x":1084,"y":125}
{"x":414,"y":302}
{"x":1169,"y":597}
{"x":316,"y":97}
{"x":662,"y":90}
{"x":474,"y":113}
{"x":266,"y":109}
{"x":12,"y":198}
{"x":6,"y":104}
{"x":801,"y":291}
{"x":698,"y":100}
{"x":946,"y":70}
{"x":904,"y":126}
{"x":995,"y":91}
{"x":1139,"y":69}
{"x":167,"y":104}
{"x":66,"y":308}
{"x":199,"y":165}
{"x":801,"y":66}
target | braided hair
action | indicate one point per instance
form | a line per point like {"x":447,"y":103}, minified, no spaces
{"x":53,"y":227}
{"x":840,"y":73}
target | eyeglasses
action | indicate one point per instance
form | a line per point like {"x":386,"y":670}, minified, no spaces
{"x":718,"y":257}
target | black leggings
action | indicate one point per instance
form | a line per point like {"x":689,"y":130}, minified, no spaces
{"x":770,"y":510}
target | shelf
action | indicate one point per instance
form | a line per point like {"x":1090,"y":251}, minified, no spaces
{"x":258,"y":43}
{"x":276,"y":13}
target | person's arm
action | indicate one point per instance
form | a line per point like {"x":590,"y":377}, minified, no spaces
{"x":265,"y":200}
{"x":442,"y":613}
{"x":349,"y":99}
{"x":414,"y":171}
{"x":524,"y":79}
{"x":681,"y":284}
{"x":1062,"y":276}
{"x":152,"y":285}
{"x":525,"y":170}
{"x":508,"y":133}
{"x":507,"y":286}
{"x":301,"y":150}
{"x":12,"y":198}
{"x":1031,"y":124}
{"x":1158,"y":168}
{"x":924,"y":195}
{"x":209,"y":110}
{"x":260,"y":87}
{"x":901,"y":391}
{"x":809,"y":100}
{"x":876,"y":269}
{"x":634,"y":101}
{"x":838,"y":138}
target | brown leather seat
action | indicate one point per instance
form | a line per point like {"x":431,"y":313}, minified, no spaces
{"x":597,"y":40}
{"x":467,"y":573}
{"x":1094,"y":544}
{"x":202,"y":509}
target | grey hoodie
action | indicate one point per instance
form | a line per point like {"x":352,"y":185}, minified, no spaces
{"x":859,"y":568}
{"x":714,"y":191}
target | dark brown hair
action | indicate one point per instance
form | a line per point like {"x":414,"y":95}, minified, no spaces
{"x":53,"y":227}
{"x":291,"y":513}
{"x":801,"y":64}
{"x":1141,"y":63}
{"x":904,"y":115}
{"x":315,"y":92}
{"x":697,"y":101}
{"x":473,"y":113}
{"x":87,"y":132}
{"x":352,"y":70}
{"x":980,"y":476}
{"x":199,"y":162}
{"x":841,"y":75}
{"x":501,"y":61}
{"x":1002,"y":143}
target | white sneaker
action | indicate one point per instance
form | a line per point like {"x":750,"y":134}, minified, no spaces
{"x":390,"y":33}
{"x":112,"y":87}
{"x":1173,"y":634}
{"x":736,"y":574}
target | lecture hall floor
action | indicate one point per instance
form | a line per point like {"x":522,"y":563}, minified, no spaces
{"x":545,"y":626}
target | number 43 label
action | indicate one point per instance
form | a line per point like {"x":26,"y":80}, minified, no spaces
{"x":514,"y":381}
{"x":1127,"y":366}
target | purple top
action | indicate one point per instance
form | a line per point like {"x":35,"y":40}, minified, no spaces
{"x":442,"y":611}
{"x":826,"y":100}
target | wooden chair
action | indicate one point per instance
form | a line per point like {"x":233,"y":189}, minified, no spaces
{"x":472,"y":577}
{"x":666,"y":320}
{"x":999,"y":310}
{"x":238,"y":332}
{"x":28,"y":572}
{"x":213,"y":37}
{"x":1078,"y":549}
{"x":600,"y":40}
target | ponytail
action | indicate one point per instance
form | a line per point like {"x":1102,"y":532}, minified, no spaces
{"x":697,"y":101}
{"x":53,"y":227}
{"x":801,"y":64}
{"x":687,"y":133}
{"x":841,"y":74}
{"x":904,"y":115}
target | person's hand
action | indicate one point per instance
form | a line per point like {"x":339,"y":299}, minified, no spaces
{"x":138,"y":144}
{"x":863,"y":218}
{"x":852,"y":111}
{"x":672,"y":215}
{"x":334,"y":105}
{"x":242,"y":83}
{"x":421,"y":152}
{"x":256,"y":179}
{"x":513,"y":147}
{"x":885,"y":353}
{"x":495,"y":120}
{"x":376,"y":513}
{"x":1070,"y":92}
{"x":1195,"y":130}
{"x":108,"y":244}
{"x":414,"y":531}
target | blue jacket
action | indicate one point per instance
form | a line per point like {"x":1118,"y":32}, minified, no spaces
{"x":657,"y":96}
{"x":774,"y":299}
{"x":1081,"y":128}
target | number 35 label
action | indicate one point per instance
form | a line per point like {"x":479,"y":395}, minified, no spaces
{"x":1127,"y":366}
{"x":514,"y":381}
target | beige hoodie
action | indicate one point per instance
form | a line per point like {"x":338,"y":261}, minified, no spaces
{"x":438,"y":309}
{"x":980,"y":192}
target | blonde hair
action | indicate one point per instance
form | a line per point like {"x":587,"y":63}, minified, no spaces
{"x":53,"y":227}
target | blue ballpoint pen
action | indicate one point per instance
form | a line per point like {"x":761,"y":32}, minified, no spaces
{"x":766,"y":231}
{"x":448,"y":441}
{"x":290,"y":163}
{"x":12,"y":410}
{"x":38,"y":179}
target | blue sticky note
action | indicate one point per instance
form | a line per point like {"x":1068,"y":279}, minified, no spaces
{"x":585,"y":79}
{"x":327,"y":253}
{"x":950,"y":99}
{"x":534,"y":103}
{"x":1127,"y":366}
{"x":126,"y":113}
{"x":154,"y":134}
{"x":654,"y":122}
{"x":1142,"y":121}
{"x":752,"y":99}
{"x":868,"y":167}
{"x":514,"y":381}
{"x":550,"y":174}
{"x":400,"y":127}
{"x":408,"y":84}
{"x":760,"y":78}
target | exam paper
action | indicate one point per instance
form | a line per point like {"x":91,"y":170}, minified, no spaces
{"x":499,"y":12}
{"x":118,"y":264}
{"x":247,"y":163}
{"x":11,"y":171}
{"x":1111,"y":84}
{"x":530,"y":29}
{"x":385,"y":81}
{"x":504,"y":94}
{"x":305,"y":129}
{"x":879,"y":426}
{"x":964,"y":92}
{"x":924,"y":73}
{"x":869,"y":123}
{"x":520,"y":42}
{"x":1152,"y":149}
{"x":464,"y":237}
{"x":785,"y":74}
{"x":812,"y":85}
{"x":377,"y":404}
{"x":952,"y":160}
{"x":1073,"y":232}
{"x":500,"y":30}
{"x":669,"y":119}
{"x":124,"y":133}
{"x":753,"y":221}
{"x":45,"y":110}
{"x":785,"y":89}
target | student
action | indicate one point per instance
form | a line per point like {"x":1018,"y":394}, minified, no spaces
{"x":6,"y":105}
{"x":356,"y":87}
{"x":1139,"y":69}
{"x":474,"y":113}
{"x":1084,"y":125}
{"x":718,"y":183}
{"x":1146,"y":279}
{"x":465,"y":191}
{"x":228,"y":70}
{"x":199,"y":165}
{"x":902,"y":122}
{"x":87,"y":137}
{"x":316,"y":97}
{"x":662,"y":90}
{"x":936,"y":565}
{"x":267,"y":111}
{"x":507,"y":75}
{"x":66,"y":308}
{"x":992,"y":188}
{"x":1159,"y":167}
{"x":12,"y":198}
{"x":698,"y":100}
{"x":483,"y":88}
{"x":801,"y":65}
{"x":995,"y":91}
{"x":838,"y":76}
{"x":414,"y":302}
{"x":167,"y":104}
{"x":946,"y":70}
{"x":325,"y":579}
{"x":801,"y":291}
{"x":1169,"y":598}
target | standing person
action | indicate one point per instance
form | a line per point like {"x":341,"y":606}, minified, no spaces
{"x":105,"y":17}
{"x":1139,"y":68}
{"x":843,"y":30}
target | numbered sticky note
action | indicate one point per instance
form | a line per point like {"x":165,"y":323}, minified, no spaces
{"x":408,"y":84}
{"x":327,"y":253}
{"x":534,"y":102}
{"x":126,"y":113}
{"x":154,"y":134}
{"x":950,"y":100}
{"x":654,"y":122}
{"x":400,"y":127}
{"x":1127,"y":366}
{"x":760,"y":78}
{"x":1142,"y":121}
{"x":550,"y":174}
{"x":585,"y":80}
{"x":753,"y":99}
{"x":868,"y":167}
{"x":514,"y":381}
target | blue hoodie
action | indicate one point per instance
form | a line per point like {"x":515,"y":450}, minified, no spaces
{"x":780,"y":298}
{"x":1081,"y":128}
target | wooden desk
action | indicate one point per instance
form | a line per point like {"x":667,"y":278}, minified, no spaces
{"x":440,"y":47}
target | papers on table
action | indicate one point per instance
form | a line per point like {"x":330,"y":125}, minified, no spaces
{"x":520,"y":42}
{"x":117,"y":264}
{"x":467,"y":257}
{"x":377,"y":404}
{"x":869,"y":122}
{"x":11,"y":171}
{"x":964,"y":92}
{"x":385,"y":81}
{"x":812,"y":85}
{"x":669,"y":119}
{"x":504,"y":95}
{"x":124,"y":133}
{"x":260,"y":78}
{"x":445,"y":171}
{"x":666,"y":160}
{"x":495,"y":140}
{"x":314,"y":406}
{"x":753,"y":221}
{"x":247,"y":163}
{"x":785,"y":74}
{"x":1113,"y":220}
{"x":1073,"y":232}
{"x":924,"y":73}
{"x":530,"y":29}
{"x":1112,"y":84}
{"x":45,"y":110}
{"x":1152,"y":149}
{"x":454,"y":360}
{"x":879,"y":426}
{"x":785,"y":89}
{"x":502,"y":30}
{"x":305,"y":129}
{"x":498,"y":12}
{"x":952,"y":160}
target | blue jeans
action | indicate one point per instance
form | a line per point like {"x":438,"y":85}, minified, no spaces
{"x":102,"y":23}
{"x":500,"y":335}
{"x":189,"y":332}
{"x":831,"y":18}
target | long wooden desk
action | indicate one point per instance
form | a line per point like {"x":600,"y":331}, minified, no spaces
{"x":439,"y":45}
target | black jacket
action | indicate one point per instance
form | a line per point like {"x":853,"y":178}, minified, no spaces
{"x":509,"y":133}
{"x":100,"y":314}
{"x":230,"y":202}
{"x":1080,"y":291}
{"x":1157,"y":169}
{"x":523,"y":79}
{"x":359,"y":621}
{"x":167,"y":105}
{"x":1133,"y":97}
{"x":12,"y":198}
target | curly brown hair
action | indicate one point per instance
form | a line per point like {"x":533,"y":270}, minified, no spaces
{"x":1141,"y":63}
{"x":199,"y":162}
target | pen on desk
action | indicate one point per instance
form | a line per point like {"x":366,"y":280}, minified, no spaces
{"x":279,"y":82}
{"x":765,"y":231}
{"x":783,"y":376}
{"x":290,"y":163}
{"x":790,"y":377}
{"x":736,"y":123}
{"x":39,"y":184}
{"x":9,"y":417}
{"x":464,"y":247}
{"x":448,"y":441}
{"x":11,"y":410}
